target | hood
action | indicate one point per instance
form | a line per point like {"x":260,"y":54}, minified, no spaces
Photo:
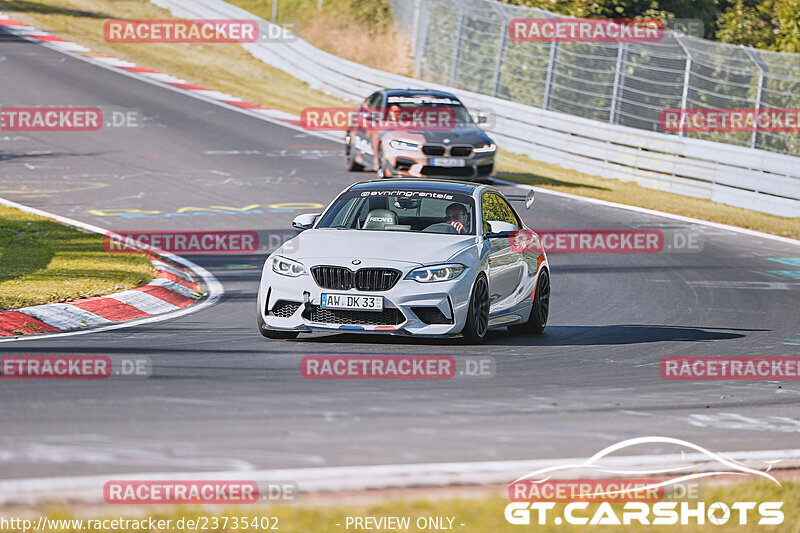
{"x":467,"y":135}
{"x":372,"y":248}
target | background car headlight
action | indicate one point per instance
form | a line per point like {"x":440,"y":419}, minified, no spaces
{"x":436,"y":273}
{"x":287,"y":267}
{"x":403,"y":145}
{"x":485,"y":149}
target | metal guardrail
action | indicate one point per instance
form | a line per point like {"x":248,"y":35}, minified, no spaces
{"x":735,"y":175}
{"x":466,"y":44}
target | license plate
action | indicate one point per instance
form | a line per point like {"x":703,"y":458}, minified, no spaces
{"x":352,"y":301}
{"x":446,"y":162}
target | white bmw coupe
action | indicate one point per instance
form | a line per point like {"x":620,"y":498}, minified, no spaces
{"x":408,"y":257}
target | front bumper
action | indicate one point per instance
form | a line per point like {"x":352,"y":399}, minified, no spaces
{"x":293,"y":304}
{"x":476,"y":167}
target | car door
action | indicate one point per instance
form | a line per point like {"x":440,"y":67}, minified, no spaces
{"x":506,"y":267}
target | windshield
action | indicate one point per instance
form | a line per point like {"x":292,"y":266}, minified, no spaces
{"x":460,"y":114}
{"x":402,"y":210}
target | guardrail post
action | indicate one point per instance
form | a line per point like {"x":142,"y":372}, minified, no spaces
{"x":457,"y":50}
{"x":622,"y":52}
{"x":756,"y":59}
{"x":415,"y":28}
{"x":687,"y":73}
{"x":501,"y":48}
{"x":551,"y":71}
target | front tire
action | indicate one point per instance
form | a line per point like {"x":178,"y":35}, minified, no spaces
{"x":540,"y":310}
{"x":477,"y":325}
{"x":350,"y":157}
{"x":273,"y":333}
{"x":382,"y":172}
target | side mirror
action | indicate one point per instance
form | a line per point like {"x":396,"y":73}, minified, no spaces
{"x":305,"y":221}
{"x":499,"y":229}
{"x":481,"y":119}
{"x":528,"y":199}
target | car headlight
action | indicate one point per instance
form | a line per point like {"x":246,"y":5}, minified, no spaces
{"x":436,"y":273}
{"x":485,"y":149}
{"x":403,"y":145}
{"x":287,"y":267}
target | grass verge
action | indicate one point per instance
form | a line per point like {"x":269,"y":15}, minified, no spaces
{"x":478,"y":515}
{"x":230,"y":68}
{"x":42,"y":261}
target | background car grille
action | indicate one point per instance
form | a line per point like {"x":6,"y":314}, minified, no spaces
{"x":285,"y":308}
{"x":432,"y":149}
{"x":460,"y":151}
{"x":387,"y":317}
{"x":365,"y":279}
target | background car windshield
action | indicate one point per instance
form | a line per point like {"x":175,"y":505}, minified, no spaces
{"x":402,"y":210}
{"x":462,"y":116}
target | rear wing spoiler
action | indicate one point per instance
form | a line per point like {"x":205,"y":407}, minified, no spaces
{"x":527,"y":198}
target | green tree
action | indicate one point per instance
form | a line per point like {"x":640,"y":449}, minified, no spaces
{"x":768,"y":24}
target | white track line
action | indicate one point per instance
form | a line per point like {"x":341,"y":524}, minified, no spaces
{"x":215,"y":288}
{"x":340,"y":478}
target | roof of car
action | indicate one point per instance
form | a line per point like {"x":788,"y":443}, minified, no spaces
{"x":450,"y":186}
{"x":412,"y":92}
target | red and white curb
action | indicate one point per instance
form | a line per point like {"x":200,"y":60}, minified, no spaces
{"x":168,"y":295}
{"x":34,"y":34}
{"x":173,"y":288}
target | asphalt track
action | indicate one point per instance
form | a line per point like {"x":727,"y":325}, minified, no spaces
{"x":224,"y":398}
